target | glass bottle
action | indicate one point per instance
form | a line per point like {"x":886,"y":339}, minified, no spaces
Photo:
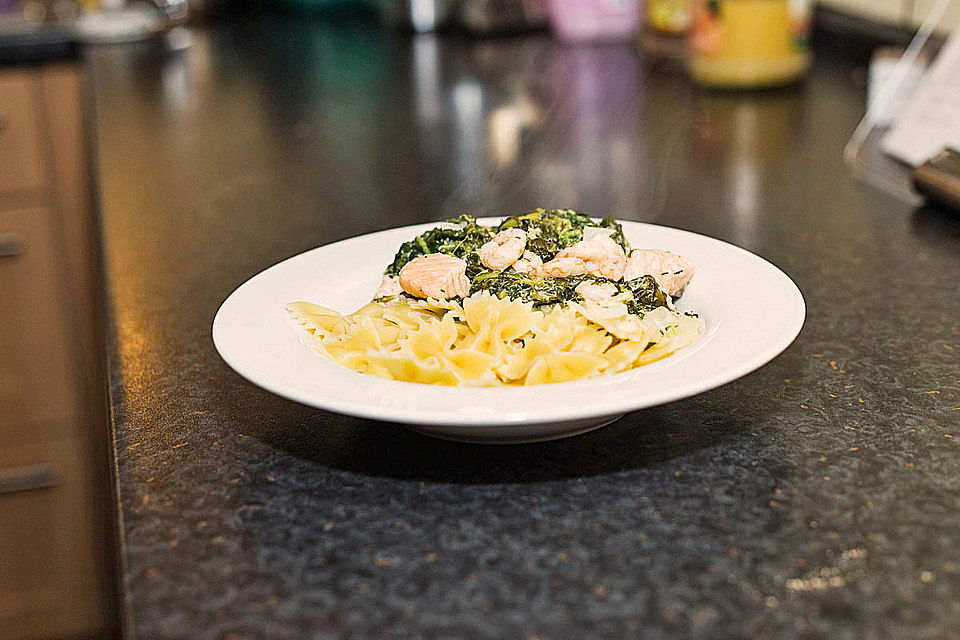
{"x":749,"y":43}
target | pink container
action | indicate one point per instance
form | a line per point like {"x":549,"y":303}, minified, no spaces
{"x":595,"y":20}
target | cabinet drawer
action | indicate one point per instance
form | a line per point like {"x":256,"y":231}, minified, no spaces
{"x":37,"y":388}
{"x":50,"y":583}
{"x":28,"y":529}
{"x":20,"y":149}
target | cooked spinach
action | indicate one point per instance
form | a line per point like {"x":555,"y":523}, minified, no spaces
{"x":463,"y":240}
{"x":646,"y":294}
{"x":618,"y":237}
{"x":550,"y":231}
{"x":474,"y":266}
{"x":521,"y":286}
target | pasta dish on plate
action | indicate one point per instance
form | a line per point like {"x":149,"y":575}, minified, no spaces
{"x":547,"y":296}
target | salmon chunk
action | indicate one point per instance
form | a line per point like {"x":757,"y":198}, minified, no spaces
{"x":435,"y":275}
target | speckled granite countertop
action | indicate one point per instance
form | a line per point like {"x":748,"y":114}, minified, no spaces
{"x":818,"y":497}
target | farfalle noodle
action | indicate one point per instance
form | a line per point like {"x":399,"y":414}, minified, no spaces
{"x":487,"y":341}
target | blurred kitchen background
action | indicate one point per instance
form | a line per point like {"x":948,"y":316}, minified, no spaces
{"x":478,"y":16}
{"x":114,"y":110}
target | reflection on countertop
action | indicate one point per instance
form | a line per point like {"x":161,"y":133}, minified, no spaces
{"x":813,"y":498}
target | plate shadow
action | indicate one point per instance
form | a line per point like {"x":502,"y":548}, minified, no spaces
{"x":380,"y":449}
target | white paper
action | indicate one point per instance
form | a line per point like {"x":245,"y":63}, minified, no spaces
{"x":931,"y":119}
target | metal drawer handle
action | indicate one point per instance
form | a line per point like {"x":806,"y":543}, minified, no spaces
{"x":11,"y":245}
{"x":27,"y":478}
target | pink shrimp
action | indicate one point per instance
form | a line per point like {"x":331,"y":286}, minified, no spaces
{"x":559,"y":267}
{"x":596,"y":292}
{"x":599,"y":256}
{"x":504,"y":249}
{"x":527,"y":262}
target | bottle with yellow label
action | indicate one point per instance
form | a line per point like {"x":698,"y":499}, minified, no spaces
{"x":749,"y":43}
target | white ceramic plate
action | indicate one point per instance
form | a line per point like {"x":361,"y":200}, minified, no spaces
{"x":752,"y":312}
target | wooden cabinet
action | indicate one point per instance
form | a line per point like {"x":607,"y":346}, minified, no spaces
{"x":20,"y":163}
{"x":34,"y":342}
{"x":57,"y":540}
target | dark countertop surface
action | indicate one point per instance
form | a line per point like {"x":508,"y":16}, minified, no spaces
{"x":818,"y":497}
